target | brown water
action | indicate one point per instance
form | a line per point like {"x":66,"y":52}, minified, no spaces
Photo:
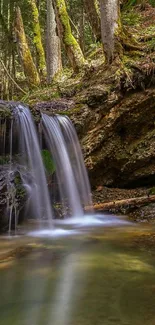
{"x":100,"y":277}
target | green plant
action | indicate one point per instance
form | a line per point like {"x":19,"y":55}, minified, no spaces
{"x":48,"y":162}
{"x":131,"y":18}
{"x":152,"y":3}
{"x":4,"y":160}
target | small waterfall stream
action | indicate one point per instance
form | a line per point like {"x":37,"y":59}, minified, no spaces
{"x":60,"y":137}
{"x":36,"y":186}
{"x":76,"y":157}
{"x":67,"y":182}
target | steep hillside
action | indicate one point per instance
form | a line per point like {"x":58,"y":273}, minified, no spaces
{"x":113,"y":108}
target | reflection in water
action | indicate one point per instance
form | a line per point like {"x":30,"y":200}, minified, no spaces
{"x":94,"y":278}
{"x":65,"y":299}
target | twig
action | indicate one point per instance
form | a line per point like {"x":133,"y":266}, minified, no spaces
{"x":74,"y":26}
{"x":6,"y":70}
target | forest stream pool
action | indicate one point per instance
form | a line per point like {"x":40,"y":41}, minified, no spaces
{"x":98,"y":276}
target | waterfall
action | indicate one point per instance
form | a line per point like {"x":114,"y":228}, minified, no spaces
{"x":59,"y":135}
{"x":35,"y":184}
{"x":75,"y":154}
{"x":65,"y":174}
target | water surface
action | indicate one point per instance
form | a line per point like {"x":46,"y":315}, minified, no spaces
{"x":94,"y":277}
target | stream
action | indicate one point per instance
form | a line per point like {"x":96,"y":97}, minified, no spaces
{"x":88,"y":275}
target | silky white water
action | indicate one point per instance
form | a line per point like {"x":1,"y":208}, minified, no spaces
{"x":67,"y":183}
{"x":75,"y":155}
{"x":34,"y":178}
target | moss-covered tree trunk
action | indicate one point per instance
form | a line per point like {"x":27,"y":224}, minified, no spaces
{"x":24,"y":51}
{"x":115,"y":37}
{"x":41,"y":62}
{"x":72,"y":47}
{"x":53,"y":45}
{"x":110,"y":28}
{"x":92,"y":12}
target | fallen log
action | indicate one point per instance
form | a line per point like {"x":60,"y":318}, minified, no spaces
{"x":133,"y":202}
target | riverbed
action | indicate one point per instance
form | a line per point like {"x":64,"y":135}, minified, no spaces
{"x":88,"y":275}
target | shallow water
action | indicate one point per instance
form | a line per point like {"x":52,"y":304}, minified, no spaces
{"x":95,"y":276}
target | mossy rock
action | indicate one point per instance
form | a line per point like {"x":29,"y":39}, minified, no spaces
{"x":5,"y":111}
{"x":152,"y":191}
{"x":97,"y":96}
{"x":48,"y":162}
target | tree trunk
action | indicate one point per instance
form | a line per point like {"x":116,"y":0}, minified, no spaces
{"x":72,"y":47}
{"x":6,"y":48}
{"x":110,"y":28}
{"x":37,"y":38}
{"x":91,"y":9}
{"x":24,"y":51}
{"x":133,"y":202}
{"x":81,"y":25}
{"x":53,"y":46}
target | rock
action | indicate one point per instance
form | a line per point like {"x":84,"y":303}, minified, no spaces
{"x":97,"y":95}
{"x":54,"y":106}
{"x":143,"y":214}
{"x":12,"y":195}
{"x":5,"y":111}
{"x":119,"y":141}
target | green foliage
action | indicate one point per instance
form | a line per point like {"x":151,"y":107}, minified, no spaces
{"x":151,"y":45}
{"x":131,"y":18}
{"x":128,"y":4}
{"x":4,"y":160}
{"x":152,"y":191}
{"x":46,"y":93}
{"x":152,"y":3}
{"x":4,"y":112}
{"x":75,"y":11}
{"x":20,"y":190}
{"x":48,"y":162}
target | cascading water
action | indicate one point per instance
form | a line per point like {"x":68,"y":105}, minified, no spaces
{"x":35,"y":185}
{"x":65,"y":174}
{"x":75,"y":154}
{"x":74,"y":188}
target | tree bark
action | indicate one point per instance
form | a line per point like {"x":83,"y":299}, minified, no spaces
{"x":72,"y":47}
{"x":110,"y":28}
{"x":92,"y":12}
{"x":53,"y":46}
{"x":24,"y":51}
{"x":37,"y":38}
{"x":137,"y":201}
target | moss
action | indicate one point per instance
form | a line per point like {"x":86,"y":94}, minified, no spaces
{"x":74,"y":110}
{"x":37,"y":37}
{"x":24,"y":51}
{"x":29,"y":68}
{"x":39,"y":95}
{"x":131,"y":18}
{"x":96,"y":4}
{"x":48,"y":162}
{"x":4,"y":160}
{"x":72,"y":47}
{"x":20,"y":190}
{"x":70,"y":112}
{"x":152,"y":191}
{"x":4,"y":112}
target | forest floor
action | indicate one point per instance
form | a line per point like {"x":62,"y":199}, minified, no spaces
{"x":139,"y":24}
